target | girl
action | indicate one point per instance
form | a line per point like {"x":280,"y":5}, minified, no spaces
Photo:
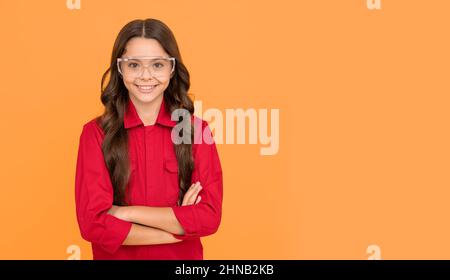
{"x":139,"y":194}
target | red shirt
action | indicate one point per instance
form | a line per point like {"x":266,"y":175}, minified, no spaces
{"x":153,"y":182}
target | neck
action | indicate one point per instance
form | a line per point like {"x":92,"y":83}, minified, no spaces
{"x":147,"y":112}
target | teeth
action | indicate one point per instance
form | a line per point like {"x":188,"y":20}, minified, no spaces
{"x":146,"y":87}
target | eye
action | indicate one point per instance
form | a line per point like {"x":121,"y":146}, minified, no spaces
{"x":158,"y":65}
{"x":133,"y":65}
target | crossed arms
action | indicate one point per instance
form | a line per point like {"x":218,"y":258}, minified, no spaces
{"x":154,"y":225}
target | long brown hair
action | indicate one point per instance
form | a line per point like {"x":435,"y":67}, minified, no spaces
{"x":114,"y":97}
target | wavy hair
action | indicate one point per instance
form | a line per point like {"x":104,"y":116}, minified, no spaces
{"x":114,"y":96}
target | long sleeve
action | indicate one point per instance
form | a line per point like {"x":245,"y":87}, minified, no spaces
{"x":204,"y":218}
{"x":94,"y":194}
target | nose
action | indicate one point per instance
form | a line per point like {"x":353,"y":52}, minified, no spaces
{"x":146,"y":73}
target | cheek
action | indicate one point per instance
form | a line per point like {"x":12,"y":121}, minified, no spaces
{"x":165,"y":84}
{"x":128,"y":83}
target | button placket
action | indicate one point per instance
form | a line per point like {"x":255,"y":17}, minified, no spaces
{"x":145,"y":165}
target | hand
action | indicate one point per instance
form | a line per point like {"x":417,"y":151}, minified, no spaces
{"x":190,"y":197}
{"x":119,"y":212}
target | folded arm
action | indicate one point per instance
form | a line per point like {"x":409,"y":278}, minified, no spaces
{"x":162,"y":218}
{"x":143,"y":235}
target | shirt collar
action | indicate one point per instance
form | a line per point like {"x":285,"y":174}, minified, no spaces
{"x":131,"y":118}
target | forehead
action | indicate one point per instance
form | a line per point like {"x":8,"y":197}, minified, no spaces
{"x":144,"y":47}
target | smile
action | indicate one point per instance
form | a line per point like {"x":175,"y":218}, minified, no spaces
{"x":146,"y":89}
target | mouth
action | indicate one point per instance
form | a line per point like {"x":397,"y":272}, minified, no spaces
{"x":146,"y":88}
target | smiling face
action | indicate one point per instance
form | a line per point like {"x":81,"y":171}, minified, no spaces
{"x":145,"y":88}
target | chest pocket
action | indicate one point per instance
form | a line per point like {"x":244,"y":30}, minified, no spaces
{"x":171,"y":181}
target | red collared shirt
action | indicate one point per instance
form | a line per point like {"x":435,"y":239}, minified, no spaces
{"x":153,"y":182}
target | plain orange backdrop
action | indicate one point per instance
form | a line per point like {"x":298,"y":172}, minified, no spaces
{"x":363,"y":95}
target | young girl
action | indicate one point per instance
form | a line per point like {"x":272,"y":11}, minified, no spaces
{"x":140,"y":194}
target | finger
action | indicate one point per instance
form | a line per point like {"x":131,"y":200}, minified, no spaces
{"x":195,"y":194}
{"x":188,"y":195}
{"x":191,"y":191}
{"x":193,"y":197}
{"x":192,"y":188}
{"x":191,"y":194}
{"x":198,"y":199}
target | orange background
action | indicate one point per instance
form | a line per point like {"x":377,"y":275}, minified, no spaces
{"x":364,"y":121}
